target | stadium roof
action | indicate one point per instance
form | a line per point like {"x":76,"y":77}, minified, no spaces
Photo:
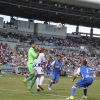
{"x":48,"y":10}
{"x":85,"y":3}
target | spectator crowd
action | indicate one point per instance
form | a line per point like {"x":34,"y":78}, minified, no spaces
{"x":69,"y":41}
{"x":19,"y":37}
{"x":71,"y":60}
{"x":9,"y":59}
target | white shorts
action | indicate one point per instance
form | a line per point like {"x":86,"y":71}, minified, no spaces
{"x":38,"y":70}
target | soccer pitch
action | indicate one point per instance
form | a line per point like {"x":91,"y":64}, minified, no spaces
{"x":12,"y":88}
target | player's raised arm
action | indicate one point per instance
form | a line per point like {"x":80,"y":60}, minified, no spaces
{"x":34,"y":54}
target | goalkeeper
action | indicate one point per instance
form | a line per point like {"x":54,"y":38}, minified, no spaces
{"x":32,"y":55}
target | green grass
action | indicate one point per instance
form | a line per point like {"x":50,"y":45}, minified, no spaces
{"x":12,"y":88}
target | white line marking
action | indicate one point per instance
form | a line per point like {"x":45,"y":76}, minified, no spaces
{"x":42,"y":93}
{"x":34,"y":93}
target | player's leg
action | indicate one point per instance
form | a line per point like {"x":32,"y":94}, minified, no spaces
{"x":37,"y":83}
{"x":52,"y":81}
{"x":41,"y":75}
{"x":79,"y":84}
{"x":31,"y":71}
{"x":41,"y":81}
{"x":57,"y":78}
{"x":46,"y":74}
{"x":32,"y":78}
{"x":85,"y":89}
{"x":38,"y":78}
{"x":73,"y":89}
{"x":85,"y":93}
{"x":32,"y":83}
{"x":49,"y":76}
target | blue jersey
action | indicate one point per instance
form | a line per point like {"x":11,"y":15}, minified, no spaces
{"x":48,"y":67}
{"x":85,"y":72}
{"x":57,"y":65}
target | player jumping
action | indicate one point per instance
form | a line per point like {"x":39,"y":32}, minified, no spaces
{"x":31,"y":57}
{"x":56,"y":64}
{"x":39,"y":70}
{"x":86,"y":80}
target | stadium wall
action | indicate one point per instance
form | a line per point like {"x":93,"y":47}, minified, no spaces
{"x":1,"y":22}
{"x":42,"y":29}
{"x":16,"y":31}
{"x":26,"y":26}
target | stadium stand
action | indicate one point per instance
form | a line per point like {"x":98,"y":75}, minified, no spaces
{"x":73,"y":48}
{"x":14,"y":61}
{"x":14,"y":36}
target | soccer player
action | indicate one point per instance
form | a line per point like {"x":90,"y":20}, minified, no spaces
{"x":56,"y":64}
{"x":48,"y":70}
{"x":86,"y":80}
{"x":39,"y":70}
{"x":32,"y":55}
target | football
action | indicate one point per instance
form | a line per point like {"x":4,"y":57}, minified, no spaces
{"x":59,"y":25}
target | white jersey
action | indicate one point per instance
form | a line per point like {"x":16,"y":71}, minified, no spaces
{"x":41,"y":58}
{"x":37,"y":64}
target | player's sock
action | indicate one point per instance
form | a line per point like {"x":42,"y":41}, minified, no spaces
{"x":51,"y":82}
{"x":40,"y":83}
{"x":41,"y":80}
{"x":37,"y":82}
{"x":28,"y":79}
{"x":73,"y":90}
{"x":32,"y":83}
{"x":85,"y":91}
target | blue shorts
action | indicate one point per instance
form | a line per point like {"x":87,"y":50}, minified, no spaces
{"x":47,"y":72}
{"x":55,"y":76}
{"x":84,"y":83}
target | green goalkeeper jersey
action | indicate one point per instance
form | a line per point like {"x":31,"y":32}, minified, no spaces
{"x":31,"y":55}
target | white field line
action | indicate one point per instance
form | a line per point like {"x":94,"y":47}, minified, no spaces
{"x":40,"y":94}
{"x":34,"y":93}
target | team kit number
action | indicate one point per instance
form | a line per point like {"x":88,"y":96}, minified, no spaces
{"x":88,"y":73}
